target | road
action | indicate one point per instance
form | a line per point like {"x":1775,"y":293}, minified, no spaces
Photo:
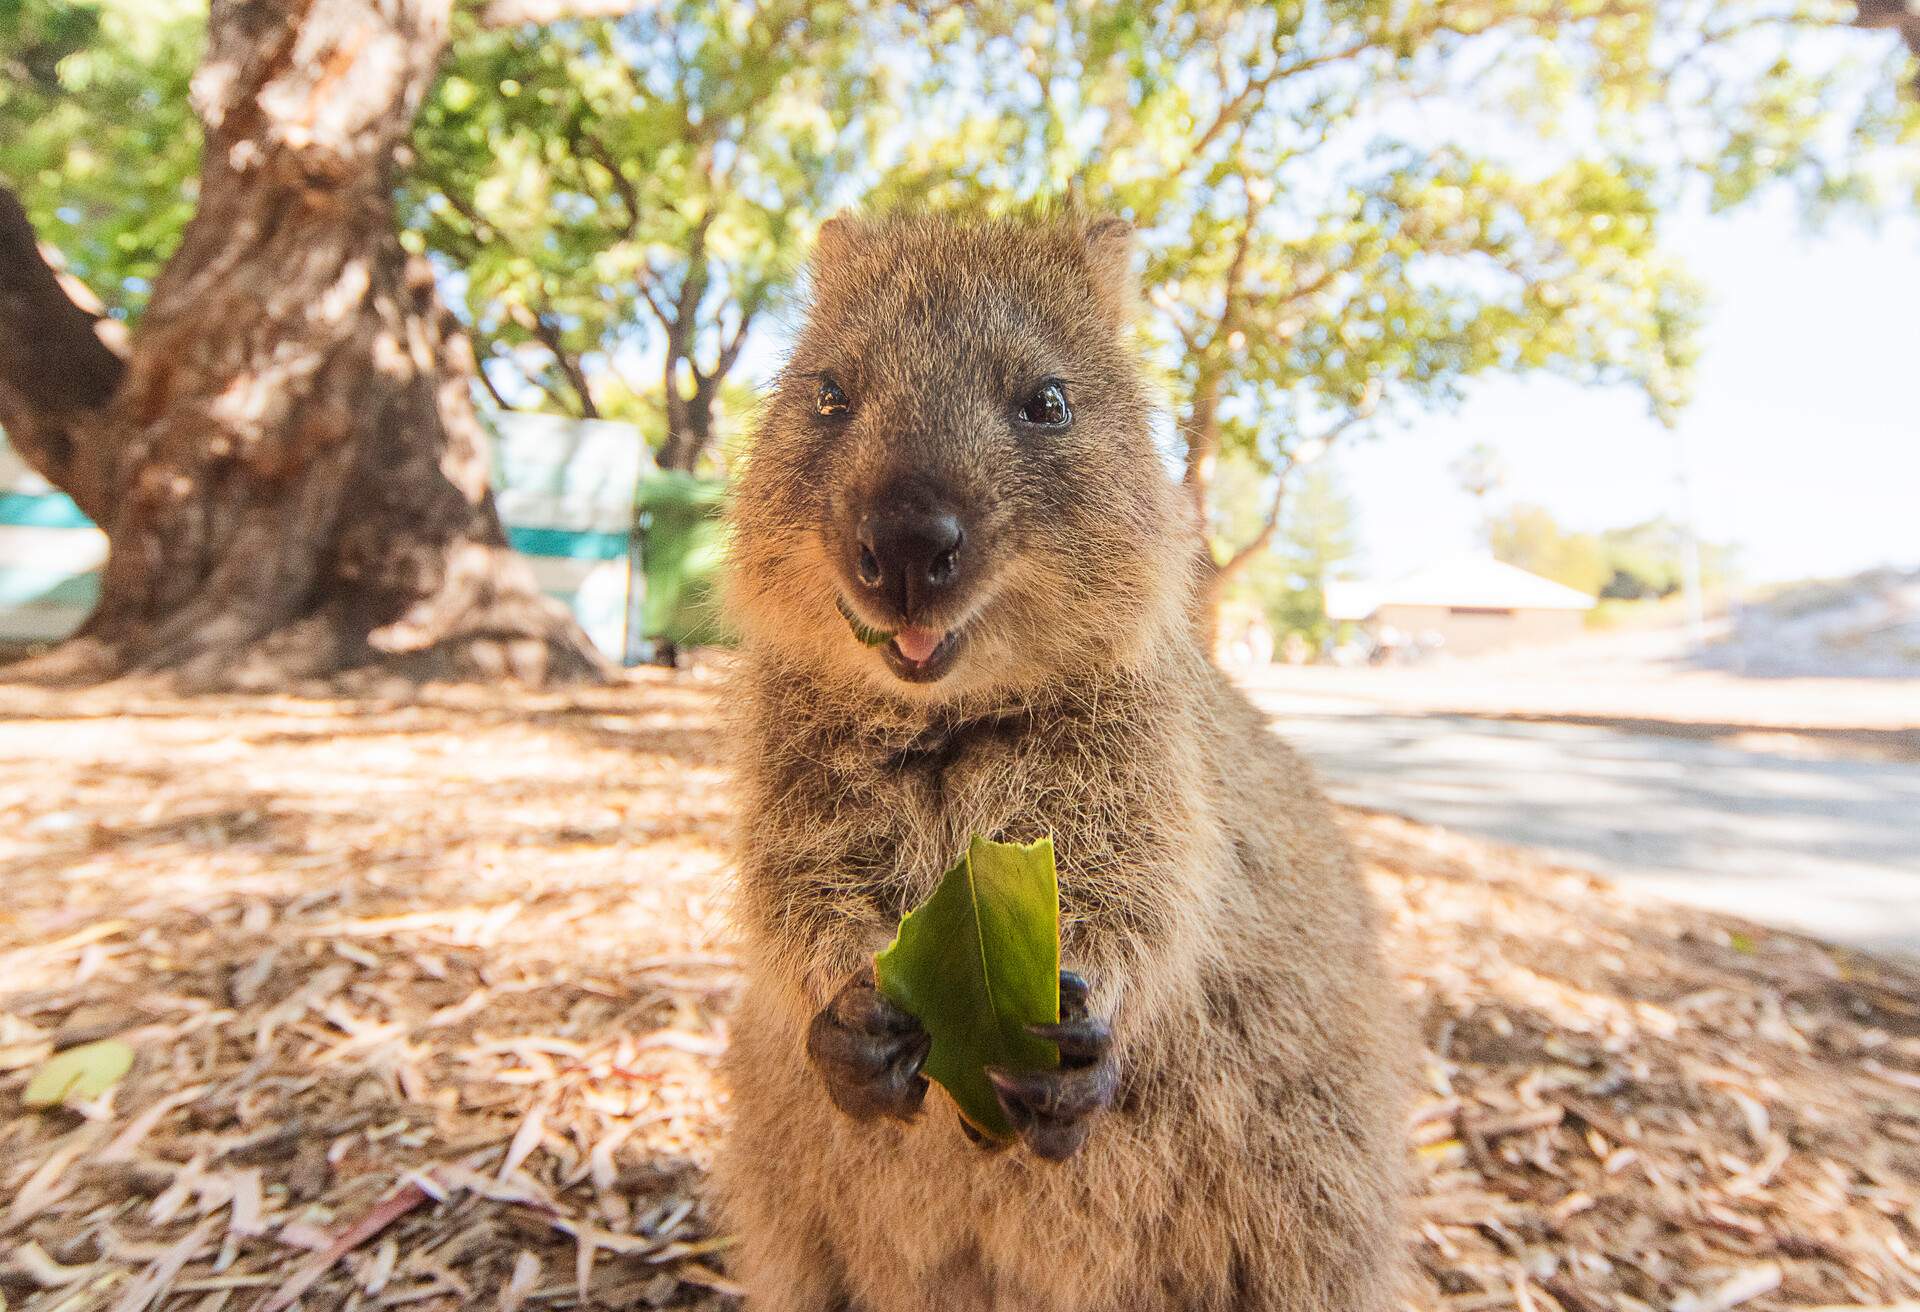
{"x":1826,"y":846}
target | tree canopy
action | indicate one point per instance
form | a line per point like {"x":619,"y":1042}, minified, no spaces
{"x":1348,"y":209}
{"x":643,"y":188}
{"x":97,"y":135}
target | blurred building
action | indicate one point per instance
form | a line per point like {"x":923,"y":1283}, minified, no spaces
{"x":1461,"y":606}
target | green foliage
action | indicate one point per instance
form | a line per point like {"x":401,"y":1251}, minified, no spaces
{"x":1639,"y":562}
{"x":96,"y":133}
{"x":1348,"y":211}
{"x":612,"y":188}
{"x":1318,"y":533}
{"x":977,"y":963}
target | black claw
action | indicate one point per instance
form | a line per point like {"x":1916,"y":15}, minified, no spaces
{"x":1053,"y":1110}
{"x":1024,"y":1095}
{"x":1081,"y":1042}
{"x":869,"y":1053}
{"x":1073,"y":995}
{"x":1058,"y":1140}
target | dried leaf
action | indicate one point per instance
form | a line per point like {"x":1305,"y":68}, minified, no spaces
{"x":79,"y":1073}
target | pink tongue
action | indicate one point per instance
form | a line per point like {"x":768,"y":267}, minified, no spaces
{"x":917,"y":644}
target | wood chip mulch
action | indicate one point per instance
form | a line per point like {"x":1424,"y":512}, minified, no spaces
{"x":426,"y":998}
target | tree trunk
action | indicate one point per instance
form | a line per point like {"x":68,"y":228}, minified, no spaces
{"x":295,"y":478}
{"x":56,"y":367}
{"x":689,"y":421}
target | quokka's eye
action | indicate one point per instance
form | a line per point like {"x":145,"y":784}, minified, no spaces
{"x":830,"y":401}
{"x":1047,"y":407}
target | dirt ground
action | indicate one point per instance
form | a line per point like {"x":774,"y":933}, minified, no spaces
{"x":426,"y":998}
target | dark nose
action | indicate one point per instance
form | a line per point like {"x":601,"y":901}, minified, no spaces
{"x":909,"y":555}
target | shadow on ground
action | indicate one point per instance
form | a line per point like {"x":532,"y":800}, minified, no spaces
{"x":427,"y":998}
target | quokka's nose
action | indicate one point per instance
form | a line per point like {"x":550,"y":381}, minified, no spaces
{"x":909,"y":556}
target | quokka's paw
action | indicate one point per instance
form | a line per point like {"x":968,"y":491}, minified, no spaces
{"x":869,"y":1052}
{"x":1054,"y":1111}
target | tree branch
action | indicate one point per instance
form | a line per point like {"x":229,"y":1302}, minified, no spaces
{"x":659,"y":310}
{"x":57,"y":371}
{"x":548,"y":332}
{"x":629,"y":198}
{"x":1260,"y":541}
{"x":730,"y":353}
{"x":1264,"y":538}
{"x":1259,"y":86}
{"x":1203,"y":421}
{"x":486,"y":381}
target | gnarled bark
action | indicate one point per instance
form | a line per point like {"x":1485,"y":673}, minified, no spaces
{"x":290,"y":472}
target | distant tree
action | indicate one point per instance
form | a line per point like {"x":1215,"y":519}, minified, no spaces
{"x":1318,"y":533}
{"x":1530,"y":537}
{"x":1646,"y":560}
{"x":612,"y":187}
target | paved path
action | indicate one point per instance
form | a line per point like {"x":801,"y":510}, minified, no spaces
{"x":1831,"y":847}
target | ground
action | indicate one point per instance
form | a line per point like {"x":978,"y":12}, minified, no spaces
{"x":426,"y":997}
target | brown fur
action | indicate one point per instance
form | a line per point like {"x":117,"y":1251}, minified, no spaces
{"x":1253,"y":1160}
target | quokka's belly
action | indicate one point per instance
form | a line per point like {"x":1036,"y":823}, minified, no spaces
{"x":939,"y":1223}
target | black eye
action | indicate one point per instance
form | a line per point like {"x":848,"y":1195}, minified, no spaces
{"x":831,"y":401}
{"x":1047,"y":407}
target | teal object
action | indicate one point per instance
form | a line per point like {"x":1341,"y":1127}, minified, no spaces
{"x":681,"y":541}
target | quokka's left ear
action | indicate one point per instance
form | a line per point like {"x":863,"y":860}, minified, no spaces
{"x":1108,"y":241}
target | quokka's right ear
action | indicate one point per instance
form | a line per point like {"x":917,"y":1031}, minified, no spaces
{"x":841,"y":237}
{"x":1109,"y":248}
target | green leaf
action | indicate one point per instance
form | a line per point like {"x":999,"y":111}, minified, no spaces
{"x":83,"y":1072}
{"x":871,"y":637}
{"x":977,"y":963}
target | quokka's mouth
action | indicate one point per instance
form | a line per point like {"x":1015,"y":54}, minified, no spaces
{"x":916,"y":655}
{"x":921,"y":655}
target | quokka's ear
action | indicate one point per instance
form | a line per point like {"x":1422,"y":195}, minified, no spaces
{"x":1108,"y":240}
{"x":841,"y":237}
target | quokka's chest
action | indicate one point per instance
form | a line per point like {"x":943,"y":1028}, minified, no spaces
{"x":905,"y":821}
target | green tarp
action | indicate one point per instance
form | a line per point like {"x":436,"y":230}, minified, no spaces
{"x":681,"y":541}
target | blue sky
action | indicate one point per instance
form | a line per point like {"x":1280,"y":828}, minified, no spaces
{"x":1803,"y":436}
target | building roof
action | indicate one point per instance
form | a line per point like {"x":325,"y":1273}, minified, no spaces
{"x":1477,"y":581}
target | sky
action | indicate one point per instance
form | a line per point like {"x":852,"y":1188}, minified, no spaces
{"x":1803,"y":438}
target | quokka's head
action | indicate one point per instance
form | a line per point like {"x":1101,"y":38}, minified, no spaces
{"x":954,"y":490}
